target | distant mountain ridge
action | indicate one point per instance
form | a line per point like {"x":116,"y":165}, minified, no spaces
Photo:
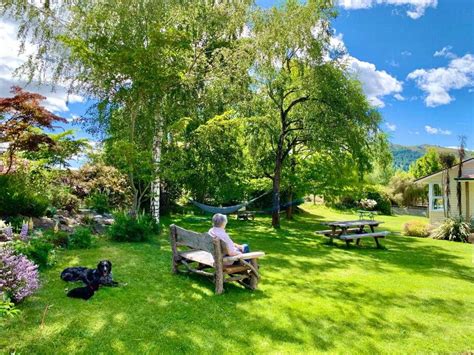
{"x":404,"y":155}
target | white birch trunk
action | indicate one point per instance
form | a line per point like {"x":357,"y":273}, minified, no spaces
{"x":156,"y":184}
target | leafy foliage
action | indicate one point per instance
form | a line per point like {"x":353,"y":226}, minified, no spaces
{"x":426,"y":165}
{"x":7,"y":308}
{"x":37,"y":249}
{"x":128,"y":228}
{"x":453,"y":229}
{"x":81,"y":238}
{"x":19,"y":115}
{"x":405,"y":192}
{"x":18,"y":196}
{"x":98,"y":178}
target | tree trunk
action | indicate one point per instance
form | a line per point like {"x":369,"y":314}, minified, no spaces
{"x":276,"y":198}
{"x":156,"y":184}
{"x":276,"y":189}
{"x":289,"y":209}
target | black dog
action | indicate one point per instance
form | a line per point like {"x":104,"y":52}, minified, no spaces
{"x":102,"y":275}
{"x":85,"y":292}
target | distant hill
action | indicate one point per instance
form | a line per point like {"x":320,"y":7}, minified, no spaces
{"x":403,"y":155}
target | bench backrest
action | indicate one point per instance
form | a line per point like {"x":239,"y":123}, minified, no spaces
{"x":194,"y":240}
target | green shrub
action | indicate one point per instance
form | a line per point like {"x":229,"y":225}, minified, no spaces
{"x":62,"y":198}
{"x":17,"y":197}
{"x":454,"y":229}
{"x":98,"y":202}
{"x":57,"y":239}
{"x":81,"y":238}
{"x":416,"y":229}
{"x":37,"y":249}
{"x":127,"y":228}
{"x":7,"y":308}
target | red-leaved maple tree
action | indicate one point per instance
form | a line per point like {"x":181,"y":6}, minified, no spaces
{"x":19,"y":115}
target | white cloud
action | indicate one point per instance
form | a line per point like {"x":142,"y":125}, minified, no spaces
{"x":433,"y":130}
{"x":376,"y":83}
{"x":416,"y":8}
{"x":406,"y":53}
{"x":438,"y":82}
{"x":56,"y":100}
{"x":445,"y":52}
{"x":391,"y":126}
{"x":399,"y":97}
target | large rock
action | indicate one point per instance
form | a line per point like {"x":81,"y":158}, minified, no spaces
{"x":43,"y":222}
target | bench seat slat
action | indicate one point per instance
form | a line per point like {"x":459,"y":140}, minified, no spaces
{"x":329,"y":232}
{"x":251,"y":255}
{"x":364,"y":235}
{"x":199,"y":256}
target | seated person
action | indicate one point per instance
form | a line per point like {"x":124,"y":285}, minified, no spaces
{"x":219,"y":221}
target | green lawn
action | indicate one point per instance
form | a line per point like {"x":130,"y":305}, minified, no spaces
{"x":415,"y":296}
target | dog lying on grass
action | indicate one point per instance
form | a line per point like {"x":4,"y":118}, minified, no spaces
{"x":101,"y":275}
{"x":92,"y":278}
{"x":85,"y":292}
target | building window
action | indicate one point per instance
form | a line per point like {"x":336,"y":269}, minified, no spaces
{"x":436,"y":197}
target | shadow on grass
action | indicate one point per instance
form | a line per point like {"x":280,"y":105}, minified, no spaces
{"x":306,"y":301}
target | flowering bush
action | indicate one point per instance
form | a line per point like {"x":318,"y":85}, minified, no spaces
{"x":367,"y":204}
{"x":19,"y":277}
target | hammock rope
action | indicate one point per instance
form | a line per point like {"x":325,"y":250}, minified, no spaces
{"x":235,"y":208}
{"x":228,"y":209}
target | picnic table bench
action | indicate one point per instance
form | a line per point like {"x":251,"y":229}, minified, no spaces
{"x":209,"y":253}
{"x":349,"y":231}
{"x":364,"y":213}
{"x":245,"y":215}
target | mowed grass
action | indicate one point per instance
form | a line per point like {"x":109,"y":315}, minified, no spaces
{"x":415,"y":296}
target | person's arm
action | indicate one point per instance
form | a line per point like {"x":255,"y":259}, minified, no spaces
{"x":232,"y":248}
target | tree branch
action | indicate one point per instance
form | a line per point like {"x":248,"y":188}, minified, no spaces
{"x":294,"y":103}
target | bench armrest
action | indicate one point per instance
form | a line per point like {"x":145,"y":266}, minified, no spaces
{"x":251,"y":255}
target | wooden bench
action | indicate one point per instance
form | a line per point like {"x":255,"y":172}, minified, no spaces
{"x":329,"y":232}
{"x":208,"y":253}
{"x":357,"y":237}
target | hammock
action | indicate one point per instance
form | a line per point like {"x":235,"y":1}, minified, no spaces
{"x":224,"y":210}
{"x":285,"y":205}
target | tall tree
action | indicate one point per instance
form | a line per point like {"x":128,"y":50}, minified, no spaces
{"x":426,"y":165}
{"x":19,"y":116}
{"x":304,"y":97}
{"x":149,"y":56}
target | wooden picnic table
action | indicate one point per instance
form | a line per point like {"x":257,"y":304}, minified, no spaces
{"x":353,"y":230}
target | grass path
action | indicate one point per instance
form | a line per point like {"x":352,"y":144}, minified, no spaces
{"x":414,"y":297}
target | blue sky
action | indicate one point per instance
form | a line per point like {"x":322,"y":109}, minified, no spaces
{"x":382,"y":33}
{"x":415,"y":59}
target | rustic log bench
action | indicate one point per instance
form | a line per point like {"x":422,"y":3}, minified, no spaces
{"x":208,"y":252}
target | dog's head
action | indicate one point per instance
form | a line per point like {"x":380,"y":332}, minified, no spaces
{"x":104,"y":267}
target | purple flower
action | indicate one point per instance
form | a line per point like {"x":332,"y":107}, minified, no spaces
{"x":8,"y":231}
{"x":19,"y":277}
{"x":24,"y":232}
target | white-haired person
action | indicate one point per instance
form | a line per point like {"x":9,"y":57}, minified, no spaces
{"x":219,"y":222}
